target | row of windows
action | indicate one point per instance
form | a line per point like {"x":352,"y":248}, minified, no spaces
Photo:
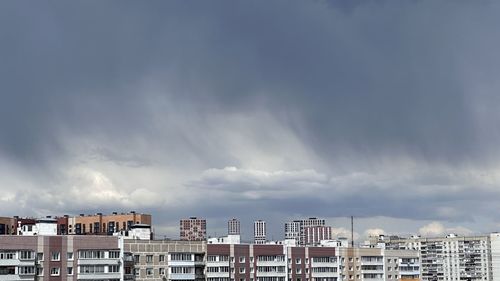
{"x":213,"y":258}
{"x":271,"y":258}
{"x":97,"y":254}
{"x":181,"y":269}
{"x":324,"y":259}
{"x":181,"y":257}
{"x":217,"y":268}
{"x":23,"y":255}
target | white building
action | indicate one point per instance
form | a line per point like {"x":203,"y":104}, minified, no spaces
{"x":259,"y":231}
{"x":46,"y":226}
{"x":452,"y":257}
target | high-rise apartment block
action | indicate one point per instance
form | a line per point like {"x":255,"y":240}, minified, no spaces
{"x":193,"y":229}
{"x":313,"y":235}
{"x":259,"y":232}
{"x":296,"y":229}
{"x":451,"y":257}
{"x":233,"y":227}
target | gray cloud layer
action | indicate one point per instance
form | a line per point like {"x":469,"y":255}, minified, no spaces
{"x":382,"y":108}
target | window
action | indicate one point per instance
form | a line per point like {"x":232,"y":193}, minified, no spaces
{"x":242,"y":270}
{"x":7,"y":256}
{"x":26,"y":270}
{"x":70,"y":270}
{"x":137,"y":271}
{"x":161,"y":258}
{"x":114,"y":268}
{"x":91,"y":269}
{"x":149,"y":258}
{"x":27,"y":255}
{"x":149,"y":271}
{"x":114,"y":254}
{"x":162,"y":271}
{"x":136,"y":258}
{"x":91,"y":254}
{"x":56,"y":256}
{"x":70,"y":256}
{"x":299,"y":270}
{"x":180,"y":257}
{"x":242,"y":259}
{"x":54,"y":271}
{"x":39,"y":271}
{"x":39,"y":256}
{"x":298,"y":261}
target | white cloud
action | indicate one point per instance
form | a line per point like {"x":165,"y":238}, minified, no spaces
{"x":435,"y":229}
{"x":374,"y":232}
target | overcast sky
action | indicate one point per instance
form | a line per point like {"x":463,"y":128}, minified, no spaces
{"x":385,"y":110}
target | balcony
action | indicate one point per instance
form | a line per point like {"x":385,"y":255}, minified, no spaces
{"x":98,"y":261}
{"x":99,"y":276}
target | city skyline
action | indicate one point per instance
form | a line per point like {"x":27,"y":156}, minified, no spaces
{"x":382,"y":110}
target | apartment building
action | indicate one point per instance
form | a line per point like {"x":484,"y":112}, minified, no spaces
{"x":193,"y":229}
{"x":452,"y":257}
{"x":100,"y":224}
{"x":7,"y":226}
{"x":233,"y":227}
{"x":313,"y":235}
{"x":97,"y":224}
{"x":378,"y":264}
{"x":296,"y":229}
{"x":161,"y":260}
{"x":259,"y":232}
{"x":60,"y":258}
{"x":284,"y":263}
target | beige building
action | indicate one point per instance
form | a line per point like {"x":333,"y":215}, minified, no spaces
{"x":376,"y":264}
{"x":106,"y":224}
{"x":162,"y":260}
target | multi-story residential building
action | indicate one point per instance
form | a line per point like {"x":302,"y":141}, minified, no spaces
{"x":233,"y":227}
{"x":97,"y":224}
{"x":283,"y":263}
{"x":451,"y":257}
{"x":60,"y":258}
{"x":100,"y":224}
{"x":259,"y":232}
{"x":7,"y":226}
{"x":193,"y":229}
{"x":313,"y":235}
{"x":376,"y":264}
{"x":296,"y":229}
{"x":161,"y":260}
{"x":292,"y":230}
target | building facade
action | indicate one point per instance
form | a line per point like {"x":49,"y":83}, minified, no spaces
{"x":259,"y":232}
{"x":452,"y":257}
{"x":100,"y":224}
{"x":193,"y":229}
{"x":296,"y":229}
{"x":160,"y":260}
{"x":313,"y":235}
{"x":60,"y":258}
{"x":233,"y":227}
{"x":283,"y":263}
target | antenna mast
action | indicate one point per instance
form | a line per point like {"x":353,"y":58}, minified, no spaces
{"x":352,"y":231}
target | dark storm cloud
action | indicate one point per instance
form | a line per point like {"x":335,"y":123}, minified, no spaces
{"x":180,"y":87}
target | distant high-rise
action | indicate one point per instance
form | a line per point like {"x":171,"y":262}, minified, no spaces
{"x":296,"y":229}
{"x":259,"y":232}
{"x":233,"y":227}
{"x":193,"y":229}
{"x":292,"y":230}
{"x":314,"y":234}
